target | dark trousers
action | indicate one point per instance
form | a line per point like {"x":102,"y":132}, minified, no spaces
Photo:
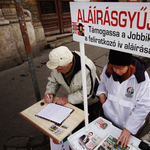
{"x":94,"y":112}
{"x":143,"y":130}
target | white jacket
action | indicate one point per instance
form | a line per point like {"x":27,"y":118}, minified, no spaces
{"x":128,"y":103}
{"x":75,"y":90}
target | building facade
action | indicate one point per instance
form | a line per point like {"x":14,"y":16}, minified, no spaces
{"x":43,"y":18}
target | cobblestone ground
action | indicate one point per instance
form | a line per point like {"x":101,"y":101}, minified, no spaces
{"x":17,"y":94}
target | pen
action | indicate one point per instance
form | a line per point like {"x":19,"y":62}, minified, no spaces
{"x":48,"y":97}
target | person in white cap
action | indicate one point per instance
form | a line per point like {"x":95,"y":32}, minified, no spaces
{"x":66,"y":71}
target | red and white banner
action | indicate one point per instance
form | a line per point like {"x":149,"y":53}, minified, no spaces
{"x":120,"y":26}
{"x":133,"y":0}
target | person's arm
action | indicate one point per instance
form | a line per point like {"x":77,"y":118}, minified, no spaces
{"x":142,"y":107}
{"x":139,"y":113}
{"x":102,"y":98}
{"x":101,"y":90}
{"x":124,"y":137}
{"x":51,"y":87}
{"x":77,"y":96}
{"x":48,"y":98}
{"x":62,"y":101}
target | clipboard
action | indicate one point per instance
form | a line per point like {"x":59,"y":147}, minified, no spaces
{"x":55,"y":113}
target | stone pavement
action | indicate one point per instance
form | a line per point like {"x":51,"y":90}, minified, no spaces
{"x":17,"y":94}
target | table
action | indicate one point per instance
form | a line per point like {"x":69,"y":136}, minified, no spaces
{"x":72,"y":121}
{"x":111,"y":129}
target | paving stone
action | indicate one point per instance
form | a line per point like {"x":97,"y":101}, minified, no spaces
{"x":60,"y":42}
{"x":37,"y":141}
{"x":17,"y":142}
{"x":9,"y":77}
{"x":58,"y":36}
{"x":9,"y":148}
{"x":45,"y":147}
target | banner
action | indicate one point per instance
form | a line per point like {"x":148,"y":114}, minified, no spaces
{"x":133,"y":0}
{"x":119,"y":26}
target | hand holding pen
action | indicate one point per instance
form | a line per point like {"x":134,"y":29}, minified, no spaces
{"x":48,"y":98}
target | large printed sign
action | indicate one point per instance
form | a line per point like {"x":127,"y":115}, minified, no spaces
{"x":120,"y":26}
{"x":133,"y":0}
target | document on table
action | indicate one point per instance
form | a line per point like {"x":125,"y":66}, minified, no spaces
{"x":55,"y":113}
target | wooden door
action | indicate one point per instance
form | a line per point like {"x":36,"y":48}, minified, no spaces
{"x":55,"y":16}
{"x":65,"y":16}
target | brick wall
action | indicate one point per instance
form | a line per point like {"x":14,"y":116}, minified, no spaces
{"x":7,"y":4}
{"x":31,"y":5}
{"x":9,"y":22}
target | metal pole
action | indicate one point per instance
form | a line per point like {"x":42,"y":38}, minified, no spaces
{"x":26,"y":41}
{"x":82,"y":52}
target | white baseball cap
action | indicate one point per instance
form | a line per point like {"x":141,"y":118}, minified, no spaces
{"x":60,"y":56}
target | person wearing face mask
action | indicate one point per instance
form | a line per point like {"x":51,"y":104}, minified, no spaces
{"x":124,"y":91}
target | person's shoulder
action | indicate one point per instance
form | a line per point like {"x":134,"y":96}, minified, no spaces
{"x":105,"y":67}
{"x":141,"y":67}
{"x":88,"y":61}
{"x":147,"y":77}
{"x":77,"y":52}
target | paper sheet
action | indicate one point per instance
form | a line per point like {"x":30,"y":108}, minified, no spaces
{"x":55,"y":113}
